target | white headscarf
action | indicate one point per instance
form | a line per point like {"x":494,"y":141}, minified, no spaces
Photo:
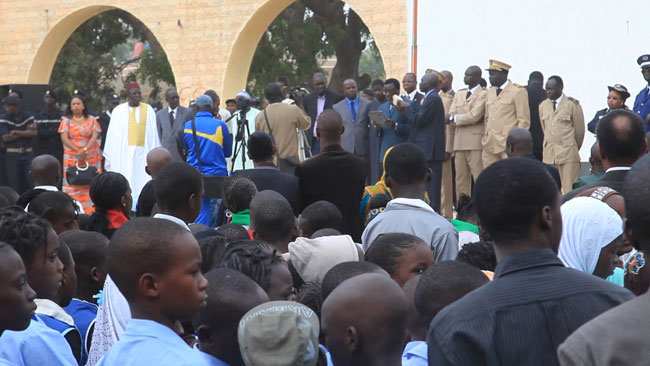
{"x":588,"y":225}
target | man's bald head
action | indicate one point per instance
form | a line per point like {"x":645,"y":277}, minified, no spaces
{"x":429,"y":81}
{"x":364,"y":320}
{"x":445,"y":85}
{"x":330,"y":126}
{"x":519,"y":142}
{"x":156,"y":159}
{"x":46,"y":171}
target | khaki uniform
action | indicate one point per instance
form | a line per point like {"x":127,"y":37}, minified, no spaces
{"x":447,"y":191}
{"x":564,"y":131}
{"x":470,"y":129}
{"x":503,"y":113}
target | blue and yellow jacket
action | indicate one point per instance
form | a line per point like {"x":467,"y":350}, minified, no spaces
{"x":215,"y":144}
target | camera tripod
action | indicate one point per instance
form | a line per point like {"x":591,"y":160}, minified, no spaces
{"x":241,"y":137}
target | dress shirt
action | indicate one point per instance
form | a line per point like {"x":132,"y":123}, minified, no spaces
{"x":557,"y":102}
{"x":356,"y":107}
{"x":429,"y":92}
{"x":504,"y":85}
{"x":520,"y":318}
{"x":146,"y":342}
{"x":170,"y":110}
{"x":320,"y":106}
{"x":173,"y":219}
{"x":415,"y":354}
{"x":411,"y":95}
{"x":618,"y":168}
{"x":35,"y":346}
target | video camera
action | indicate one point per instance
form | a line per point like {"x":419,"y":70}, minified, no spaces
{"x":297,"y":90}
{"x":243,"y":105}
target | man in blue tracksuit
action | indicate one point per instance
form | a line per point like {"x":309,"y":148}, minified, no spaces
{"x":215,"y":145}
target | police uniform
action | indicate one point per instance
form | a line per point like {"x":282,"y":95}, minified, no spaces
{"x":503,"y":112}
{"x":642,"y":101}
{"x":48,"y":139}
{"x":564,"y":131}
{"x":447,"y":191}
{"x":19,"y":152}
{"x":467,"y":113}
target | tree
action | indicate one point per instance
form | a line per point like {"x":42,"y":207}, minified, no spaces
{"x":96,"y":55}
{"x":305,"y":33}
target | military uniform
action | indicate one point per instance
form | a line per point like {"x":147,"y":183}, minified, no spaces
{"x":48,"y":139}
{"x":503,"y":112}
{"x":642,"y":101}
{"x":19,"y":152}
{"x":447,"y":192}
{"x":564,"y":131}
{"x":468,"y":113}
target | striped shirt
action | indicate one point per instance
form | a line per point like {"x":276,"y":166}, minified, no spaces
{"x":520,"y":318}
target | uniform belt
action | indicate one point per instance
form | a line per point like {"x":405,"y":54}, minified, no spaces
{"x":19,"y":150}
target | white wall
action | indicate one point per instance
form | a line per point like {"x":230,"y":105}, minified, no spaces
{"x":590,"y":44}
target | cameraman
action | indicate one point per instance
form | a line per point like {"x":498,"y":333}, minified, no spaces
{"x":280,"y":120}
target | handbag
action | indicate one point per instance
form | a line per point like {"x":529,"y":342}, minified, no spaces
{"x":211,"y":183}
{"x":81,"y":176}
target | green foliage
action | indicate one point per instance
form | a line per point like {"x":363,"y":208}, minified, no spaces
{"x":97,"y":53}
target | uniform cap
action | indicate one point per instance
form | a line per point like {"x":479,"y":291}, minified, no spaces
{"x":496,"y":65}
{"x":279,"y":333}
{"x":621,"y":89}
{"x":440,"y":76}
{"x":50,"y":92}
{"x":11,"y":100}
{"x":643,"y":61}
{"x":113,"y":97}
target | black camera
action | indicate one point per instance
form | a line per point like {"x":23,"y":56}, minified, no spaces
{"x":243,"y":104}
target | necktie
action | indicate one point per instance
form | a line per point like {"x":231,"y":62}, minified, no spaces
{"x":554,"y":104}
{"x":353,"y":111}
{"x":171,"y":118}
{"x":469,"y":93}
{"x":498,"y":91}
{"x":408,"y":97}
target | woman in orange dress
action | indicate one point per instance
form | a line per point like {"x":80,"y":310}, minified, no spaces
{"x":79,"y":132}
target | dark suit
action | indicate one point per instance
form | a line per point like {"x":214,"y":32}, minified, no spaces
{"x":428,"y":132}
{"x":555,"y":174}
{"x":416,"y":99}
{"x":267,"y":176}
{"x":536,"y":94}
{"x":614,"y":180}
{"x":374,"y":145}
{"x":310,"y":105}
{"x":339,"y":177}
{"x":171,"y":132}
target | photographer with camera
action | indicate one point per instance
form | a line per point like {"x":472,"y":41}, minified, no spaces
{"x":280,"y":121}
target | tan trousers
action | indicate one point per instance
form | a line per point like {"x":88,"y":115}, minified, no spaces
{"x":569,"y":173}
{"x":489,"y":159}
{"x":469,"y":164}
{"x":447,"y":191}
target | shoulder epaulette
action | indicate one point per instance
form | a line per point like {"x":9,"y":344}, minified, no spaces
{"x":573,"y":100}
{"x":517,"y":85}
{"x":463,"y":89}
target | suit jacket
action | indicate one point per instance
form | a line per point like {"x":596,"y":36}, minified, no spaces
{"x":536,"y":94}
{"x":339,"y":177}
{"x":355,"y":139}
{"x":416,"y":99}
{"x":564,"y":130}
{"x":614,"y":180}
{"x":428,"y":126}
{"x":267,"y":176}
{"x":469,"y":114}
{"x":310,"y":103}
{"x":642,"y":105}
{"x":171,"y":132}
{"x":504,"y":112}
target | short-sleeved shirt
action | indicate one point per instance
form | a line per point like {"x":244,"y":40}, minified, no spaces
{"x":35,"y":346}
{"x":9,"y":122}
{"x":146,"y":342}
{"x":415,"y":354}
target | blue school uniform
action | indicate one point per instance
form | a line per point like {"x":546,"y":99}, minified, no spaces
{"x":84,"y":314}
{"x":146,"y":342}
{"x":415,"y":354}
{"x":35,"y":346}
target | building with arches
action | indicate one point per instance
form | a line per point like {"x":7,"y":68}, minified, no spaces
{"x":209,"y":43}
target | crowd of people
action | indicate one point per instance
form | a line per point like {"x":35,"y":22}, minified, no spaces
{"x":372,"y":228}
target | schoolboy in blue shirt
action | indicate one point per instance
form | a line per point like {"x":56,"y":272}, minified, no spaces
{"x":231,"y":294}
{"x":156,"y":264}
{"x":89,"y":252}
{"x":37,"y":244}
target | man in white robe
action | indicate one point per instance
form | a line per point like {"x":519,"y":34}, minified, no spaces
{"x":131,"y":135}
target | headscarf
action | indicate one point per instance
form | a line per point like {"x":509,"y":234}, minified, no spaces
{"x":588,"y":226}
{"x":381,"y":184}
{"x":313,"y":258}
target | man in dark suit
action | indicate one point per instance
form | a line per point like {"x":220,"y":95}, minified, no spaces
{"x":428,"y":131}
{"x":354,"y":112}
{"x":621,"y":142}
{"x":266,"y":175}
{"x":170,"y":122}
{"x":410,"y":86}
{"x":536,"y":95}
{"x":315,"y":103}
{"x":334,"y":175}
{"x":520,"y":144}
